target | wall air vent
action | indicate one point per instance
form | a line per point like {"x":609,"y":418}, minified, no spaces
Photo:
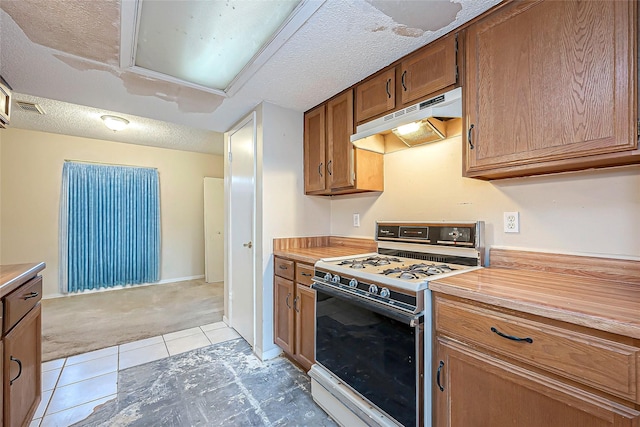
{"x":29,"y":107}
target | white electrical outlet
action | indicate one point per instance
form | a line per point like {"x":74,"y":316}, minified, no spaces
{"x":356,"y":220}
{"x":511,"y":222}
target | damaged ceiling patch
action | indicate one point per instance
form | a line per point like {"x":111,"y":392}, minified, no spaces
{"x":414,"y":18}
{"x":188,"y":100}
{"x":88,"y":29}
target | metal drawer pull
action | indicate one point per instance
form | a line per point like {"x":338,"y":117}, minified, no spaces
{"x":471,"y":146}
{"x":388,"y":91}
{"x":13,"y":359}
{"x":404,"y":74}
{"x":283,"y":267}
{"x":30,"y":295}
{"x":438,"y":376}
{"x":511,"y":337}
{"x":295,"y":304}
{"x":329,"y":167}
{"x":320,"y":168}
{"x":306,"y":274}
{"x":287,"y":300}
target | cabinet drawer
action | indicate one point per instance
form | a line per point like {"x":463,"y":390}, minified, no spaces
{"x":603,"y":364}
{"x":304,"y":274}
{"x":283,"y":268}
{"x":18,"y":303}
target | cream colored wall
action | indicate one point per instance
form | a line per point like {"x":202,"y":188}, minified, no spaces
{"x":31,"y":176}
{"x":593,"y":212}
{"x":286,"y":211}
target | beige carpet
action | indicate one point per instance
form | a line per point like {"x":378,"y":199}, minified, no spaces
{"x":80,"y":323}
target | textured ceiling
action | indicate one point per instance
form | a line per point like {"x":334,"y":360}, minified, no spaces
{"x":67,"y":50}
{"x":76,"y":120}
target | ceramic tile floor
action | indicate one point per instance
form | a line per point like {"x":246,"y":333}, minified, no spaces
{"x":74,"y":386}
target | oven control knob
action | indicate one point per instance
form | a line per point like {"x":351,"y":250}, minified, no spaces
{"x":384,"y":293}
{"x":353,"y":283}
{"x":335,"y":279}
{"x":327,"y":277}
{"x":373,"y":289}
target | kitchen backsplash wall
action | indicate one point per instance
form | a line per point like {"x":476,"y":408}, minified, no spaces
{"x":592,"y":212}
{"x":31,"y":180}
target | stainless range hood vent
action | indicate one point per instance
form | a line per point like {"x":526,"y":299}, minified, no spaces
{"x":417,"y":124}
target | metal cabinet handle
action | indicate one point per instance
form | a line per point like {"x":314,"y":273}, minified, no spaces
{"x":287,"y":300}
{"x":438,"y":376}
{"x":511,"y":337}
{"x":471,"y":146}
{"x":283,"y":267}
{"x":248,"y":245}
{"x":404,"y":75}
{"x":306,"y":274}
{"x":320,"y":168}
{"x":295,"y":304}
{"x":30,"y":295}
{"x":329,"y":167}
{"x":388,"y":85}
{"x":13,"y":359}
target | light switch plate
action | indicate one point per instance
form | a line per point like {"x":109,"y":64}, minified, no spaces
{"x":511,"y":222}
{"x":356,"y":220}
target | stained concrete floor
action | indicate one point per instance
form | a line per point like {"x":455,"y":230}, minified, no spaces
{"x":219,"y":385}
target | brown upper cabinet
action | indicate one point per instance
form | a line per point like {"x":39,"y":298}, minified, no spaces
{"x":331,"y":164}
{"x":550,"y":86}
{"x":376,"y":95}
{"x":430,"y":69}
{"x":424,"y":72}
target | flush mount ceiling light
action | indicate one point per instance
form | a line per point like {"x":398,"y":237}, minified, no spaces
{"x":114,"y":123}
{"x":210,"y":45}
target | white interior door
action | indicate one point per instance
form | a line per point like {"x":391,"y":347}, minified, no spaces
{"x":214,"y":229}
{"x":241,"y":225}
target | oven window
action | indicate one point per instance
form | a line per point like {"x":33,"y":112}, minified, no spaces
{"x":373,"y":354}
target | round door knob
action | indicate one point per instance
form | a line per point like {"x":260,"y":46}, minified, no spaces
{"x":373,"y":289}
{"x":384,"y":293}
{"x":353,"y":283}
{"x":335,"y":279}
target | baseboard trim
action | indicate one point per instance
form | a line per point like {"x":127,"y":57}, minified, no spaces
{"x":120,"y":287}
{"x":271,"y":354}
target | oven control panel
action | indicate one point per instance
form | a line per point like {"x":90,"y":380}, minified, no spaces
{"x":444,"y":234}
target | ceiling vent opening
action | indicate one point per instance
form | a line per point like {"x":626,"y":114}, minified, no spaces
{"x":29,"y":107}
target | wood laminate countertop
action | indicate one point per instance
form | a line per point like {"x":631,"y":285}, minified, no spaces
{"x":311,"y":255}
{"x":607,"y":305}
{"x":14,"y":275}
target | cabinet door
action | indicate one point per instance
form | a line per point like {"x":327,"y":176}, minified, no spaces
{"x":314,"y":150}
{"x":339,"y":147}
{"x":305,"y":325}
{"x":429,"y":70}
{"x":376,"y":96}
{"x":479,"y":390}
{"x":548,"y":83}
{"x":22,"y":370}
{"x":283,"y":309}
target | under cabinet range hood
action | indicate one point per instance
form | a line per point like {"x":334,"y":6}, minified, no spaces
{"x":425,"y":122}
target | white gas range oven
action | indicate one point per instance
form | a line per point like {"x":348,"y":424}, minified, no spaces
{"x":373,"y":321}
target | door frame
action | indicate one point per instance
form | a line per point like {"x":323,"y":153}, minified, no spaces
{"x":228,"y":236}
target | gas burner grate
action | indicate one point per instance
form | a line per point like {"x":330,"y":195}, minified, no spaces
{"x":417,"y":271}
{"x":375,"y":261}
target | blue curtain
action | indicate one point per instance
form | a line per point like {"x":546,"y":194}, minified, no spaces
{"x":109,"y":226}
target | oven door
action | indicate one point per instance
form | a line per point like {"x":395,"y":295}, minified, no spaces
{"x":375,"y":350}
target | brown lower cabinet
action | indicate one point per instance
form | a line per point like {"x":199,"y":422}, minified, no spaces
{"x":21,"y":353}
{"x":482,"y":378}
{"x":294,"y":310}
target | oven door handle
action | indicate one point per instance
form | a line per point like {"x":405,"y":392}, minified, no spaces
{"x":412,"y":320}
